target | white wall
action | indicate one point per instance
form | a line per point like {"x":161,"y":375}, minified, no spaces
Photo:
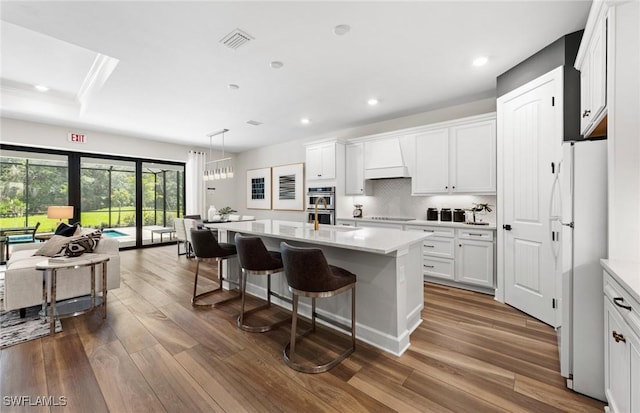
{"x":229,"y":192}
{"x":624,"y":134}
{"x":294,"y":151}
{"x":24,"y":133}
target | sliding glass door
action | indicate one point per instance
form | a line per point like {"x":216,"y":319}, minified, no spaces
{"x":162,"y":200}
{"x":108,"y":197}
{"x":132,"y":200}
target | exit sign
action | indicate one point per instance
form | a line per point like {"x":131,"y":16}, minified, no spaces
{"x":77,"y":137}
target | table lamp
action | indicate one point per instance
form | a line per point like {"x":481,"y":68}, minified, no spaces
{"x":60,"y":212}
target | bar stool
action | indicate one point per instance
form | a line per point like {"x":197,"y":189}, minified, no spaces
{"x":206,"y":248}
{"x":309,"y":275}
{"x":256,"y":260}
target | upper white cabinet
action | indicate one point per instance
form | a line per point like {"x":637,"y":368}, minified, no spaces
{"x":321,"y":161}
{"x":458,"y":158}
{"x":591,"y":61}
{"x":431,"y":174}
{"x":354,"y":173}
{"x":473,"y":157}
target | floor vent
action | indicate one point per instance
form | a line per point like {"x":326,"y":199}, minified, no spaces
{"x":254,"y":122}
{"x":236,"y":38}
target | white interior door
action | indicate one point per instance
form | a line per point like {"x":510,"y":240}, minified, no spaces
{"x":531,"y":137}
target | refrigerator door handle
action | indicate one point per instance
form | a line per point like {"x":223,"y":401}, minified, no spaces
{"x":555,"y":194}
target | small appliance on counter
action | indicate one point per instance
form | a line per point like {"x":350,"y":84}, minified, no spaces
{"x":445,"y":214}
{"x":357,"y":213}
{"x":432,"y":214}
{"x":458,"y":215}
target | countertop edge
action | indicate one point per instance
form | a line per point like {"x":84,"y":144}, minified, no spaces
{"x":422,"y":222}
{"x":222,"y":226}
{"x":625,"y":272}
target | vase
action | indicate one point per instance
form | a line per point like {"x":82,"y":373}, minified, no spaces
{"x":211,"y":213}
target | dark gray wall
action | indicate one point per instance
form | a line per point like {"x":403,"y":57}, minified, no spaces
{"x":562,"y":52}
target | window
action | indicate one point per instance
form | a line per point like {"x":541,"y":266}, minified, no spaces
{"x":30,"y":183}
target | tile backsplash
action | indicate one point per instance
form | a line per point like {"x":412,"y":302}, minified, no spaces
{"x":392,"y":197}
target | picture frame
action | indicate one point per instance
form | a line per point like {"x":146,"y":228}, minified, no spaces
{"x":259,"y":188}
{"x":288,"y":186}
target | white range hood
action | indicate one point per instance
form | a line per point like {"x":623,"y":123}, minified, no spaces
{"x":383,"y":159}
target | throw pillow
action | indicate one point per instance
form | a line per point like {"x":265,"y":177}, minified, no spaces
{"x":84,"y":243}
{"x":53,"y":247}
{"x":66,"y":230}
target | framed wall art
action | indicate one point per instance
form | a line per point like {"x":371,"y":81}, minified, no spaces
{"x":259,"y":188}
{"x":288,"y":186}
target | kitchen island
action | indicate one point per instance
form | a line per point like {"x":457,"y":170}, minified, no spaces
{"x":387,"y":263}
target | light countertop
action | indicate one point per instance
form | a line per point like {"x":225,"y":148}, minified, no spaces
{"x":627,"y":273}
{"x":374,"y":240}
{"x":450,"y":224}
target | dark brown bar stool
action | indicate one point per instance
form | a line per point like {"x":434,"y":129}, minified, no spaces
{"x":309,"y":275}
{"x":206,"y":248}
{"x":255,"y":259}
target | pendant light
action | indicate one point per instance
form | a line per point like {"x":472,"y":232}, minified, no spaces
{"x":218,"y":172}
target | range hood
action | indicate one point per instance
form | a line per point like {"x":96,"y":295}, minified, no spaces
{"x":383,"y":159}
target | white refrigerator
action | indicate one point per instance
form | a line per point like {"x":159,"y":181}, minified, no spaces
{"x":579,"y":206}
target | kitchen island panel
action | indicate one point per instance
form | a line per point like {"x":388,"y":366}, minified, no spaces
{"x":389,"y":290}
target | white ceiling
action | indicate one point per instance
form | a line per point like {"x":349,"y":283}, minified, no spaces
{"x":156,"y":69}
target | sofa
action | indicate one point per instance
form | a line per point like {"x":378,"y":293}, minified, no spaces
{"x":23,"y":283}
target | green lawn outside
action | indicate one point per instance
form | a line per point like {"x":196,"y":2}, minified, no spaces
{"x":92,"y":219}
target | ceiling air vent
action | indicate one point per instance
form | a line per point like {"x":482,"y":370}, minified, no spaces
{"x":254,"y":122}
{"x":236,"y":38}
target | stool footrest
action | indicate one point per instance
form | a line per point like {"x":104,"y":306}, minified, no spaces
{"x":320,"y":368}
{"x":196,"y":298}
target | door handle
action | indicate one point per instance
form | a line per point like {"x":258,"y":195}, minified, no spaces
{"x":618,"y":300}
{"x":618,"y":337}
{"x":506,"y":227}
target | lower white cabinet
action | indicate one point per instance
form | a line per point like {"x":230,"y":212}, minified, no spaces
{"x":474,"y":262}
{"x":464,"y":256}
{"x":622,"y":348}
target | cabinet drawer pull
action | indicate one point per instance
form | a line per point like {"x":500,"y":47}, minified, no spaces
{"x":427,"y":230}
{"x":618,"y":300}
{"x":619,"y":337}
{"x":475,"y":235}
{"x":429,"y":246}
{"x":429,"y":266}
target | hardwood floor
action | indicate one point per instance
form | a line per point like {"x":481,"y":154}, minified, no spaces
{"x":156,"y":353}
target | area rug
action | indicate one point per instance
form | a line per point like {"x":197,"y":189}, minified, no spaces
{"x":15,"y":330}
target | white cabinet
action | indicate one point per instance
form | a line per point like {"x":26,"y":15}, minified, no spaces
{"x":431,"y":174}
{"x":321,"y":161}
{"x":622,"y":348}
{"x":354,"y":173}
{"x":463,"y":257}
{"x":460,"y":158}
{"x":592,"y":64}
{"x":473,"y":157}
{"x":474,"y":262}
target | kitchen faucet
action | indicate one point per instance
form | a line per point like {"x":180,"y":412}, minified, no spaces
{"x":316,"y":224}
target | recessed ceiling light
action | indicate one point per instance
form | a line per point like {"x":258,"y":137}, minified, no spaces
{"x":480,"y":61}
{"x":341,"y":29}
{"x":233,"y":86}
{"x":372,"y":102}
{"x":41,"y":88}
{"x":305,"y":121}
{"x":276,"y":64}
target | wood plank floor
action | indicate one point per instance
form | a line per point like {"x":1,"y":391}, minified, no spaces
{"x":156,"y":353}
